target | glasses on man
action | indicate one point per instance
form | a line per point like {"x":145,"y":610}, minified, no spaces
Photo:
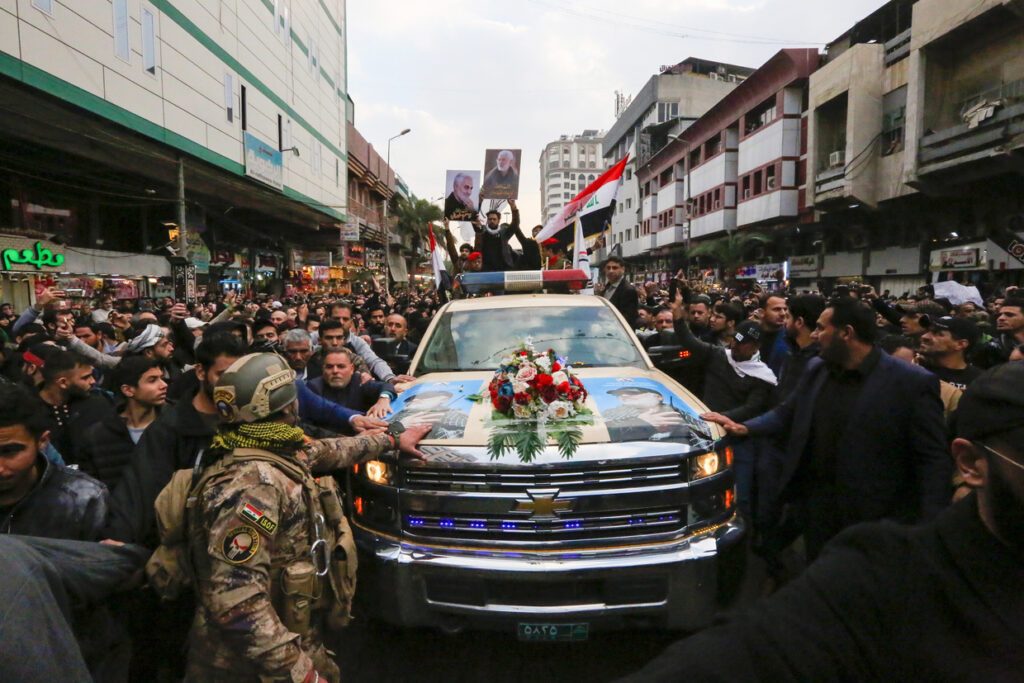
{"x":1001,"y":455}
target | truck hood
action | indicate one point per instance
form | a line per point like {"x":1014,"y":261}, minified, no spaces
{"x":656,"y":416}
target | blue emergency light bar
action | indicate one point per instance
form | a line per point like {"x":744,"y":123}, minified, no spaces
{"x":524,"y":281}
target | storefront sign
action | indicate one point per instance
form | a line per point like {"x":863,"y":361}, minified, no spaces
{"x":803,"y":266}
{"x":263,"y":162}
{"x":763,"y":271}
{"x":184,"y":278}
{"x":959,"y":258}
{"x":38,"y":257}
{"x":197,"y":252}
{"x":350,"y":232}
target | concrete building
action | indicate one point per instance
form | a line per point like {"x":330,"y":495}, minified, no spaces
{"x":915,"y":148}
{"x":108,"y":105}
{"x":568,"y":165}
{"x":740,"y":165}
{"x":666,"y":105}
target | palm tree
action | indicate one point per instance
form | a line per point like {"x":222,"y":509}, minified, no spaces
{"x":413,"y":215}
{"x":728,"y":251}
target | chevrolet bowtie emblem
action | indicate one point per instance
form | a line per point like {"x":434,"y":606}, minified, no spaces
{"x":543,"y":503}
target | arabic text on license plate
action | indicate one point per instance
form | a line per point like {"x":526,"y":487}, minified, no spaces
{"x":551,"y":633}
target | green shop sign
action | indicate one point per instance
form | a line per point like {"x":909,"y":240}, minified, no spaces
{"x":40,"y":257}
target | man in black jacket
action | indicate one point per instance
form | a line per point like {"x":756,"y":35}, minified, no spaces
{"x":342,"y":385}
{"x":620,"y":293}
{"x":938,"y":602}
{"x":864,"y":434}
{"x":105,"y":448}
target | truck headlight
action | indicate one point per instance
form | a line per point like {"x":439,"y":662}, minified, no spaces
{"x":377,"y":471}
{"x":704,"y":465}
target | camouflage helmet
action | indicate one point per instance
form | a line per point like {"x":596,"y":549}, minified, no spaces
{"x":254,"y":387}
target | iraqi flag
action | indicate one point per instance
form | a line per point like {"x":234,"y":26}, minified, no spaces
{"x":593,"y":205}
{"x":442,"y":279}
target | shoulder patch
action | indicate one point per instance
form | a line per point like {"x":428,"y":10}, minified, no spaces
{"x":240,"y":544}
{"x":251,"y":513}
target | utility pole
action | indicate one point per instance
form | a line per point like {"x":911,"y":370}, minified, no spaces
{"x":387,"y":228}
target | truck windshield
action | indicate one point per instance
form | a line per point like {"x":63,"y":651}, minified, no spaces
{"x":477,"y":340}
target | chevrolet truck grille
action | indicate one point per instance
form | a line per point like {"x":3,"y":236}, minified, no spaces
{"x":566,"y":480}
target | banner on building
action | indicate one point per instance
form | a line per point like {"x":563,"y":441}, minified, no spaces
{"x":501,"y":174}
{"x":349,"y":232}
{"x":803,"y":266}
{"x":263,"y":161}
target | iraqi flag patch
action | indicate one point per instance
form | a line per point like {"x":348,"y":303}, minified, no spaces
{"x":251,"y":513}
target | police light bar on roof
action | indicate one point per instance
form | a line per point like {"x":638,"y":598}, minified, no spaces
{"x":524,"y":281}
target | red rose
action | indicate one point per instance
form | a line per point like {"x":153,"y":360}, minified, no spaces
{"x":544,"y":380}
{"x":576,"y":380}
{"x":556,"y":367}
{"x":549,"y":394}
{"x":564,"y":387}
{"x":502,"y":403}
{"x":522,"y":353}
{"x":522,"y":398}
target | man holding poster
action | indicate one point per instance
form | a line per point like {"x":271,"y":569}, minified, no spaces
{"x":461,"y":203}
{"x":502,"y":177}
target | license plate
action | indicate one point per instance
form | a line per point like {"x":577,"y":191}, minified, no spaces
{"x":553,"y":633}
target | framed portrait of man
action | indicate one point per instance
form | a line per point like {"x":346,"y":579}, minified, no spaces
{"x":501,"y":174}
{"x":462,"y":195}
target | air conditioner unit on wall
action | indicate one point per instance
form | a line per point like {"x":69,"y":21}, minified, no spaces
{"x":770,"y":183}
{"x":837,"y":158}
{"x":714,"y":76}
{"x":746,"y":193}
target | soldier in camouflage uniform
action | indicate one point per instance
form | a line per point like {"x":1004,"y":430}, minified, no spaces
{"x":271,"y":551}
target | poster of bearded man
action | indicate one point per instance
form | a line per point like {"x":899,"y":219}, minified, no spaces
{"x":463,"y":195}
{"x":501,"y":174}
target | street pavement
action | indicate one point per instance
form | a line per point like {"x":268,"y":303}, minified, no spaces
{"x":372,"y":651}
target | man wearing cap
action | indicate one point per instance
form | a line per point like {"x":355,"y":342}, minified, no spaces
{"x":554,"y":255}
{"x":864,"y":434}
{"x":943,"y":601}
{"x":474,"y":262}
{"x":945,"y":345}
{"x":915,"y":318}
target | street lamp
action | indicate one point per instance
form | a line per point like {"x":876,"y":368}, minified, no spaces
{"x":387,"y":231}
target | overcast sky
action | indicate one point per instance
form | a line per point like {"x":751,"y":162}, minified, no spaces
{"x":466,"y":75}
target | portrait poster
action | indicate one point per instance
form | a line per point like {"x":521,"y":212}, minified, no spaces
{"x":462,"y":195}
{"x":445,"y":405}
{"x":641,"y":409}
{"x":501,"y":174}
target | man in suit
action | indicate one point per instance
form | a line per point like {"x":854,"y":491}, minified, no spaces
{"x":864,"y":435}
{"x":622,"y":294}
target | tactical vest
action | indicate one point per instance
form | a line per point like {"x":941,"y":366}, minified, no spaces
{"x":321,"y":580}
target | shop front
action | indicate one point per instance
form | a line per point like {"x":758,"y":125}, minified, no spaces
{"x":988,"y":264}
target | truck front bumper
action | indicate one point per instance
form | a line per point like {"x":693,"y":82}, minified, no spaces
{"x":667,"y":585}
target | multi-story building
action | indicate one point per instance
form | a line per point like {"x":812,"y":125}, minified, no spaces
{"x":738,"y":166}
{"x":122,"y":117}
{"x":568,"y":165}
{"x":666,"y":105}
{"x":914,"y":144}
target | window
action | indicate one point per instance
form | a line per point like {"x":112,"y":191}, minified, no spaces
{"x":337,"y":172}
{"x":567,"y":195}
{"x":149,"y":43}
{"x":591,"y":164}
{"x":629,"y":202}
{"x":241,"y":105}
{"x":629,"y":234}
{"x":280,"y":133}
{"x":629,"y":174}
{"x":591,"y":178}
{"x":45,"y":6}
{"x":667,"y":111}
{"x":282,"y":23}
{"x":121,"y":46}
{"x":746,"y":187}
{"x":620,"y":207}
{"x":229,"y":96}
{"x":757,"y":182}
{"x":894,"y":109}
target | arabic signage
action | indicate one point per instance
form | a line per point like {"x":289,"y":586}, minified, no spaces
{"x":33,"y":258}
{"x":803,"y":266}
{"x":263,"y":162}
{"x":762,"y":271}
{"x":350,"y":232}
{"x":959,"y":258}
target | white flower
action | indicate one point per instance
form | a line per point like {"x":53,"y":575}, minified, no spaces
{"x":520,"y":410}
{"x":558,"y":378}
{"x":520,"y":387}
{"x":544,"y":363}
{"x":559,"y":410}
{"x":526,"y":372}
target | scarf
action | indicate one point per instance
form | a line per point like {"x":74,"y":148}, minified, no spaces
{"x":275,"y":437}
{"x":753,"y":367}
{"x":149,"y":336}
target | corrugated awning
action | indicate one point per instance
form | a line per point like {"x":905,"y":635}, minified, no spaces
{"x":397,"y":265}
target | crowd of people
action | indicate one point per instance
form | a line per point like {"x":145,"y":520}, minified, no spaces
{"x":838,"y":411}
{"x":102,"y":402}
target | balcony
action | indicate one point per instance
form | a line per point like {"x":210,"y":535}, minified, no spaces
{"x":650,"y":205}
{"x":991,"y":130}
{"x":897,"y":48}
{"x":369,"y":214}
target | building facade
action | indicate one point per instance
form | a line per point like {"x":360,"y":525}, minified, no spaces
{"x":114,"y":109}
{"x":666,"y":105}
{"x":568,"y":165}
